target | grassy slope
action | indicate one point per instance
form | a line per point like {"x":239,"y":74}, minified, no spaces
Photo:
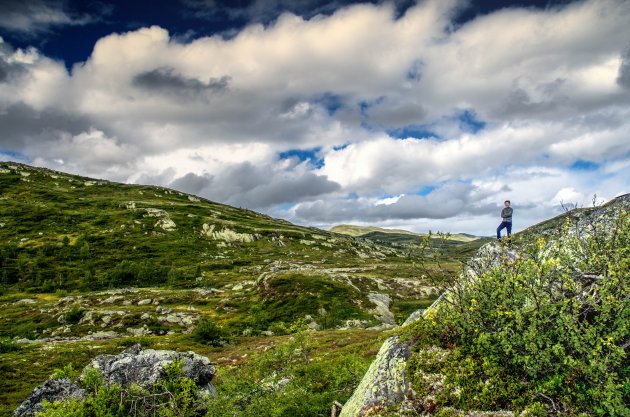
{"x":63,"y":235}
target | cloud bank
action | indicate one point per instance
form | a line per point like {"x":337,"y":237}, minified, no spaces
{"x":359,"y":115}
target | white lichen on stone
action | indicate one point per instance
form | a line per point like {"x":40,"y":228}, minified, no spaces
{"x":381,"y":311}
{"x":227,"y":235}
{"x":385,"y":381}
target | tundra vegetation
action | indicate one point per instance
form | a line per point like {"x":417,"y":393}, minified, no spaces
{"x":90,"y":266}
{"x":293,"y":316}
{"x":541,"y":333}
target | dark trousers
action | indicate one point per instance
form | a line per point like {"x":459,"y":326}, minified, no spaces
{"x":504,"y":225}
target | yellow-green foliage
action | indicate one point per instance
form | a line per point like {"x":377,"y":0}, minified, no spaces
{"x":546,"y":332}
{"x":174,"y":396}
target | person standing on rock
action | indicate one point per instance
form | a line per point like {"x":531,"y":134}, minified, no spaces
{"x":506,"y":220}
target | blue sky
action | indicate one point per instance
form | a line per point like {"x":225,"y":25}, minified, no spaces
{"x":406,"y":114}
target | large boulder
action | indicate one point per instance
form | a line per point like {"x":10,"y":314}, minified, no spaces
{"x":146,"y":367}
{"x":51,"y":390}
{"x":133,"y":366}
{"x":385,"y":383}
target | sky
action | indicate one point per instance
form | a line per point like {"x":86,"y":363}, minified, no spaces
{"x":420,"y":115}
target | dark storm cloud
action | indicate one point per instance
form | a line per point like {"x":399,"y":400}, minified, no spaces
{"x":21,"y":124}
{"x":192,"y":183}
{"x":266,"y":11}
{"x":624,"y":70}
{"x":166,"y":80}
{"x":31,"y":17}
{"x":452,"y":199}
{"x":247,"y":185}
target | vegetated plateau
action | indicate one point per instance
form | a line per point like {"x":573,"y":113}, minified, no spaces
{"x":90,"y":266}
{"x":292,"y":317}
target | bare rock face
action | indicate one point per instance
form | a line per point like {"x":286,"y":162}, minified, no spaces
{"x":52,"y":390}
{"x":133,"y":366}
{"x":145,"y":367}
{"x":385,"y":383}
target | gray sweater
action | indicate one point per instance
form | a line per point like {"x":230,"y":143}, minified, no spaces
{"x":506,"y":213}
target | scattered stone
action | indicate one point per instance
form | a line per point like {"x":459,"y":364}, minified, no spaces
{"x":140,"y":331}
{"x":314,"y":326}
{"x":145,"y":302}
{"x":172,"y":318}
{"x":25,"y":301}
{"x":112,"y":299}
{"x":381,"y":311}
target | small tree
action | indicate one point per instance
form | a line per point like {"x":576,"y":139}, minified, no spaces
{"x":207,"y":331}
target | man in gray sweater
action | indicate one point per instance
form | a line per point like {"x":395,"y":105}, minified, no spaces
{"x":506,"y":219}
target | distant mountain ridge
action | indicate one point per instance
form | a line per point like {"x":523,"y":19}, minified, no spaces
{"x":373,"y":232}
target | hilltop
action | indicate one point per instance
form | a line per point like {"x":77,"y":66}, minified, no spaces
{"x":534,"y":326}
{"x":397,"y":238}
{"x":376,"y":233}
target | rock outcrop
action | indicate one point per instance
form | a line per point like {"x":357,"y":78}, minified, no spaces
{"x":52,"y":390}
{"x":385,"y":382}
{"x":134,"y":366}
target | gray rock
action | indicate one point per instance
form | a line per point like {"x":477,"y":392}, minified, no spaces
{"x":381,"y":311}
{"x":133,"y":366}
{"x":51,"y":390}
{"x":25,"y":301}
{"x":414,"y":316}
{"x":145,"y":367}
{"x":173,"y":318}
{"x":140,"y":331}
{"x":385,"y":383}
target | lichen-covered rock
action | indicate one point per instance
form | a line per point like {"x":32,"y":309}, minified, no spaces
{"x":134,"y":366}
{"x":51,"y":390}
{"x":381,"y":311}
{"x":385,"y":383}
{"x":145,"y":367}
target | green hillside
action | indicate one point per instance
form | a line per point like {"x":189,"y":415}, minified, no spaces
{"x":401,"y":238}
{"x":61,"y":234}
{"x":89,"y":266}
{"x":353,"y":230}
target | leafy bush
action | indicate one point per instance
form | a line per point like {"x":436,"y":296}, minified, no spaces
{"x":8,"y":345}
{"x":173,"y":396}
{"x":74,"y":315}
{"x":544,"y":331}
{"x":67,"y":371}
{"x":207,"y":331}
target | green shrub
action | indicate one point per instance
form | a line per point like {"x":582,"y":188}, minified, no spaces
{"x":207,"y":331}
{"x":547,"y":328}
{"x":67,"y":371}
{"x":281,"y":382}
{"x":173,"y":396}
{"x":74,"y":315}
{"x":7,"y":345}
